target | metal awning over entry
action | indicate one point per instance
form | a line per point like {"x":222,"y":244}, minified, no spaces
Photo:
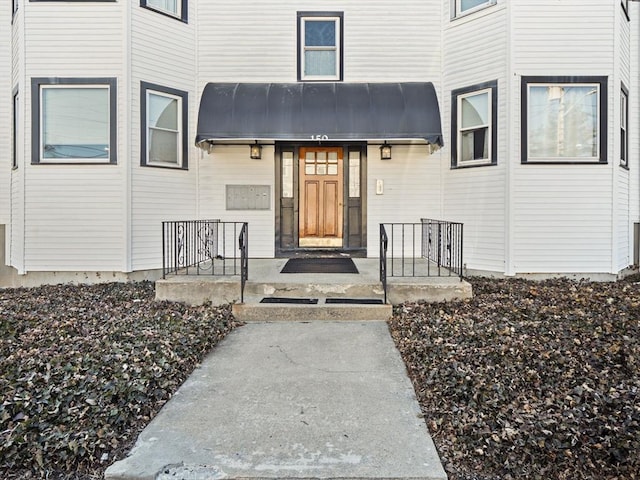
{"x":319,"y":111}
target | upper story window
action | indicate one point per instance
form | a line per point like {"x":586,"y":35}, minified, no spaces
{"x":73,"y":120}
{"x":462,"y":7}
{"x":173,"y":8}
{"x":474,"y":118}
{"x":320,"y":46}
{"x":625,"y":7}
{"x":164,"y":123}
{"x":624,"y":127}
{"x":14,"y":6}
{"x":564,"y":119}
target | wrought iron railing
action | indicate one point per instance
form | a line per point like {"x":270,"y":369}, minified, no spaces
{"x":384,"y":242}
{"x":431,"y":248}
{"x":243,"y":245}
{"x":204,"y":247}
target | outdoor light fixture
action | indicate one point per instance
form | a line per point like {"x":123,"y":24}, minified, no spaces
{"x":385,"y":152}
{"x":255,"y":151}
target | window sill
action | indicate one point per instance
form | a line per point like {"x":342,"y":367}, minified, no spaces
{"x":484,"y":163}
{"x":170,"y":166}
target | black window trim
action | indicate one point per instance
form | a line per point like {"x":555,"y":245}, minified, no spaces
{"x":15,"y":96}
{"x":624,"y":162}
{"x":493,"y":157}
{"x":301,"y":15}
{"x":625,"y":8}
{"x":183,"y":17}
{"x":144,"y":88}
{"x":602,"y":81}
{"x":37,"y":82}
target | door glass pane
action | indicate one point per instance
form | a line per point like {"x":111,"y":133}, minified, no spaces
{"x":333,"y":157}
{"x":333,"y":169}
{"x":321,"y":156}
{"x":310,"y":169}
{"x":354,"y":174}
{"x":322,"y":169}
{"x":310,"y":157}
{"x":287,"y":174}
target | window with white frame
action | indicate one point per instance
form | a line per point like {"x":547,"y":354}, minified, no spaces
{"x":164,"y":122}
{"x":320,"y":46}
{"x":474,"y":129}
{"x":624,"y":127}
{"x":172,"y":8}
{"x":564,"y":119}
{"x":74,"y":120}
{"x":463,"y":7}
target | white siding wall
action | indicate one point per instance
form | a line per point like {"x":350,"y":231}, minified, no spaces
{"x":5,"y":114}
{"x":634,"y":117}
{"x":411,"y":189}
{"x":475,"y":50}
{"x":231,"y":165}
{"x":562,"y":213}
{"x":74,"y":215}
{"x":623,"y":254}
{"x":15,"y":246}
{"x":163,"y":52}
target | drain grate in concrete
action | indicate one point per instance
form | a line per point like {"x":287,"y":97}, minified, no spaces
{"x":356,"y":301}
{"x":294,"y":300}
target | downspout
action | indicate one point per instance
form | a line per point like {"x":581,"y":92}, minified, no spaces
{"x":125,"y":146}
{"x":512,"y":86}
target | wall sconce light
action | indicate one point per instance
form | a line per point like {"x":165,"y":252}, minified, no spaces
{"x":255,"y":151}
{"x":385,"y":152}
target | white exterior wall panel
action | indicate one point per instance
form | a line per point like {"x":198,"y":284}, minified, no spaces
{"x":562,"y":220}
{"x":5,"y":115}
{"x":474,"y":52}
{"x":75,"y":215}
{"x":634,"y":119}
{"x":163,"y":52}
{"x":231,"y":165}
{"x":380,"y":43}
{"x":411,"y":184}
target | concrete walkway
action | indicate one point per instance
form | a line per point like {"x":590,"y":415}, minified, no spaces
{"x":297,"y":400}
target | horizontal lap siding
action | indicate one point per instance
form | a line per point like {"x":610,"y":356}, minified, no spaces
{"x":75,"y":215}
{"x":163,"y":52}
{"x":411,"y":181}
{"x":563,"y":213}
{"x":475,"y":51}
{"x":231,"y":165}
{"x":5,"y":114}
{"x":634,"y":116}
{"x":241,"y":41}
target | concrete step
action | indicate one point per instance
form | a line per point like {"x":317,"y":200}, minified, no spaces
{"x":303,"y":308}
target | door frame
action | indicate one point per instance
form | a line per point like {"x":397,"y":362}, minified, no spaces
{"x":287,"y":245}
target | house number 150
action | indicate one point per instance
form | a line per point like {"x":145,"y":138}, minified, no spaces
{"x":319,"y":137}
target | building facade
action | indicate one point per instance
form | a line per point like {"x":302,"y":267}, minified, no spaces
{"x":517,"y":118}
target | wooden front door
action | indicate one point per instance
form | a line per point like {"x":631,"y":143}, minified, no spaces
{"x":321,"y":197}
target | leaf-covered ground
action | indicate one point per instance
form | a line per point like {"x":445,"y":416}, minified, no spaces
{"x":84,"y":368}
{"x":530,"y":380}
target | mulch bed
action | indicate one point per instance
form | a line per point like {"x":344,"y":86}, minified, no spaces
{"x":535,"y":380}
{"x":84,"y":368}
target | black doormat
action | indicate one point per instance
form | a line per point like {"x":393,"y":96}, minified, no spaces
{"x":320,"y":265}
{"x":302,"y":301}
{"x":355,"y":301}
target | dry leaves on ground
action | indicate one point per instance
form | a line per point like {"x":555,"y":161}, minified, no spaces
{"x":84,"y":368}
{"x":533,"y":380}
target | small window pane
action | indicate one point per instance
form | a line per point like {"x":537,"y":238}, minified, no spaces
{"x":333,"y":157}
{"x":163,"y":112}
{"x":333,"y":169}
{"x":171,"y":6}
{"x":469,"y":4}
{"x":310,"y":169}
{"x":320,"y":33}
{"x":163,"y":146}
{"x":475,"y":110}
{"x":474,"y":145}
{"x":322,"y":168}
{"x":319,"y":62}
{"x":75,"y":123}
{"x":321,"y":156}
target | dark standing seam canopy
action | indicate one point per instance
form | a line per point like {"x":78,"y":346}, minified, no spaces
{"x":327,"y":111}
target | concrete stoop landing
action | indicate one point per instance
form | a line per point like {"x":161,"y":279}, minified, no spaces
{"x":295,"y":400}
{"x":265,"y":280}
